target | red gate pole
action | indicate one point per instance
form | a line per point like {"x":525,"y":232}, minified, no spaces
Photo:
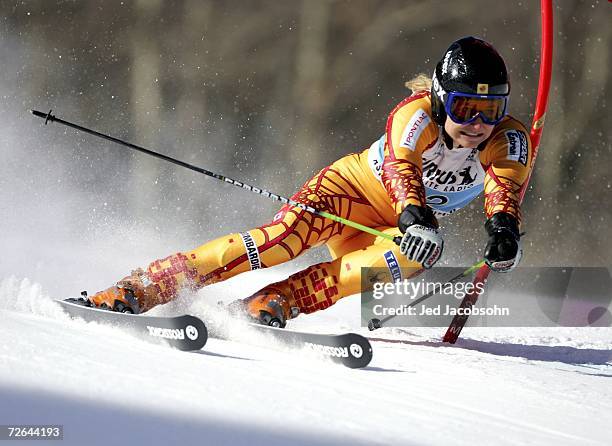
{"x":546,"y":50}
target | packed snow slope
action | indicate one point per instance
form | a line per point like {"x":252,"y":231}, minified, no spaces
{"x":494,"y":387}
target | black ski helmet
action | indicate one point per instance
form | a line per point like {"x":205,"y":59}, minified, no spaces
{"x":470,"y":65}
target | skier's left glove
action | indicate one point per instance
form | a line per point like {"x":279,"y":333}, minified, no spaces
{"x":421,"y":241}
{"x":503,"y":251}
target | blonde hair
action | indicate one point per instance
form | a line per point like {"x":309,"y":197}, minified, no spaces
{"x":421,"y":82}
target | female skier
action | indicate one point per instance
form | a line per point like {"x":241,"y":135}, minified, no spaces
{"x":442,"y":146}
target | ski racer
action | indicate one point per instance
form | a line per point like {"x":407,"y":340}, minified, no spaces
{"x":442,"y":146}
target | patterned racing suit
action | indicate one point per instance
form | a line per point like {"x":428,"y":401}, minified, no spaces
{"x":411,"y":163}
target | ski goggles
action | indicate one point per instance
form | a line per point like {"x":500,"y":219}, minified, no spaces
{"x":465,"y":108}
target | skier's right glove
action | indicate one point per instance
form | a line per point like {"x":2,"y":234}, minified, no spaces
{"x":421,"y":241}
{"x":503,"y":251}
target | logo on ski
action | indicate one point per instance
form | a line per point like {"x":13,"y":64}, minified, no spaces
{"x":328,"y":350}
{"x":356,"y":350}
{"x":191,"y":332}
{"x":167,"y":333}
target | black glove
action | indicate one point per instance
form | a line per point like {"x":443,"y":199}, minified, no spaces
{"x":503,"y":251}
{"x":417,"y":215}
{"x":421,"y":241}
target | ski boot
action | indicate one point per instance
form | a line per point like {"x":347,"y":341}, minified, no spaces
{"x":115,"y":298}
{"x":133,"y":294}
{"x":266,"y":307}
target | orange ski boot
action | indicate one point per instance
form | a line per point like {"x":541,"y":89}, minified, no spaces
{"x":132,"y":294}
{"x":266,"y":307}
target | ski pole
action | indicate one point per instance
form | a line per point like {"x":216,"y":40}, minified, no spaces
{"x":48,"y":117}
{"x":375,"y":323}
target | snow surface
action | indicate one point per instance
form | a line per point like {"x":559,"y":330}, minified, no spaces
{"x":495,"y":386}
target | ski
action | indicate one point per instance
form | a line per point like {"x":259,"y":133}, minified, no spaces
{"x":185,"y":332}
{"x":189,"y":333}
{"x":349,"y":349}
